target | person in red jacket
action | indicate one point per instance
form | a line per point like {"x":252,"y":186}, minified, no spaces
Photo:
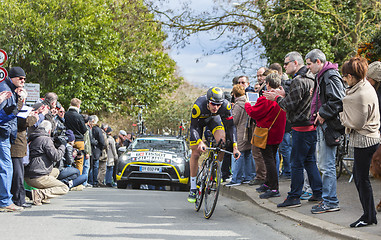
{"x":267,"y":113}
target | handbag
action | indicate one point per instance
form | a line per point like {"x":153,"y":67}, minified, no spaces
{"x":260,"y":135}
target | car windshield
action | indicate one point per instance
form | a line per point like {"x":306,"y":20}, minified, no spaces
{"x":158,"y":144}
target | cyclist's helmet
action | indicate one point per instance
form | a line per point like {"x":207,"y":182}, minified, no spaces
{"x":215,"y":95}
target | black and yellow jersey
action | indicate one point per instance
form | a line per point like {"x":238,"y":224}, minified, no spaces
{"x":202,"y":117}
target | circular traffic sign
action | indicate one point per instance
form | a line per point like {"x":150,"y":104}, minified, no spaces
{"x":3,"y":57}
{"x":3,"y":74}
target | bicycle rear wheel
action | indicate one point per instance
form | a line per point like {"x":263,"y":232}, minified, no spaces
{"x":212,"y":188}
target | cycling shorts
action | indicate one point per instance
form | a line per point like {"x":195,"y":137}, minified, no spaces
{"x":213,"y":123}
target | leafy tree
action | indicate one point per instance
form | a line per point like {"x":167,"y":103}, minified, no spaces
{"x":335,"y":26}
{"x":95,"y":50}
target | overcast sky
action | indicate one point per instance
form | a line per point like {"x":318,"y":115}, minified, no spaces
{"x":202,"y":70}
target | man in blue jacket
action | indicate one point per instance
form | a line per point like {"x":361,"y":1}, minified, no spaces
{"x":14,"y":83}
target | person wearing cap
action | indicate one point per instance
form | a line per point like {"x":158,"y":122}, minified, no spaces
{"x":75,"y":122}
{"x":68,"y":173}
{"x":14,"y":84}
{"x":122,"y":138}
{"x":112,"y":157}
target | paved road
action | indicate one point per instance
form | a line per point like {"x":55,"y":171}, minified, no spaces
{"x":105,"y":213}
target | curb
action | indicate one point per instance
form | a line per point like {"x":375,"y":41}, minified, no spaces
{"x":333,"y":229}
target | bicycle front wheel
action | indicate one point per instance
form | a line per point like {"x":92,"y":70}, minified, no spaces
{"x":200,"y":189}
{"x":212,"y":188}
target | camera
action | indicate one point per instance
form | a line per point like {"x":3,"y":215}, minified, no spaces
{"x":60,"y":140}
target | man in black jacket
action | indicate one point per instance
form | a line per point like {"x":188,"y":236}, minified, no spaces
{"x":325,"y":107}
{"x":97,"y":145}
{"x":297,"y":104}
{"x":75,"y":122}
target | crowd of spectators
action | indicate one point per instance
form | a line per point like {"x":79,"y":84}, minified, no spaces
{"x":46,"y":152}
{"x":307,"y":116}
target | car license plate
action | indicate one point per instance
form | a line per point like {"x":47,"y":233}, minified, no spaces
{"x":149,"y":169}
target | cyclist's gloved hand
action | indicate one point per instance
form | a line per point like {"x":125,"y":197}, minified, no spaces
{"x":201,"y":147}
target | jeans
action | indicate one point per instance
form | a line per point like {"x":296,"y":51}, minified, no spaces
{"x":109,"y":171}
{"x":303,"y":156}
{"x":86,"y":168}
{"x":93,"y":174}
{"x":326,"y":159}
{"x":285,"y":149}
{"x":6,"y":172}
{"x":71,"y":173}
{"x":243,"y":169}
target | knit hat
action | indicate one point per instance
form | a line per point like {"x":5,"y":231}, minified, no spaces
{"x":16,"y":72}
{"x":122,"y":132}
{"x":70,"y":135}
{"x":374,"y":71}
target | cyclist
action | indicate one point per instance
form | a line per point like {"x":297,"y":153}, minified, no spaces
{"x":210,"y":110}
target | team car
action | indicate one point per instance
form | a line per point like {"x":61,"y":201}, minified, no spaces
{"x":155,"y":160}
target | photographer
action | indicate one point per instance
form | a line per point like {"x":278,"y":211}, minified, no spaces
{"x":39,"y":173}
{"x":68,"y":173}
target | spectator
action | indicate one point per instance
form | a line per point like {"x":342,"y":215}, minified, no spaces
{"x":87,"y":137}
{"x":297,"y":104}
{"x":112,"y":157}
{"x":325,"y":107}
{"x":60,"y":120}
{"x":361,"y":118}
{"x":4,"y":95}
{"x":122,"y":138}
{"x":374,"y":77}
{"x":18,"y":152}
{"x":75,"y":122}
{"x":261,"y":81}
{"x":128,"y":140}
{"x":50,"y":100}
{"x":97,"y":145}
{"x":260,"y":166}
{"x":268,"y":114}
{"x":39,"y":173}
{"x":244,"y":165}
{"x":244,"y":81}
{"x":14,"y":84}
{"x":103,"y":159}
{"x":68,"y":173}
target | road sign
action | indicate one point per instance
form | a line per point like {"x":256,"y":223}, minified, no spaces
{"x":33,"y":90}
{"x":3,"y":74}
{"x":3,"y":57}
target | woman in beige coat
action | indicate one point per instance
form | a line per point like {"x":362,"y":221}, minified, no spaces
{"x":243,"y":167}
{"x":361,"y":118}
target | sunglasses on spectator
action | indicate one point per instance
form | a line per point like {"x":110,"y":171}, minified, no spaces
{"x":22,"y":78}
{"x":241,"y":82}
{"x":286,"y":63}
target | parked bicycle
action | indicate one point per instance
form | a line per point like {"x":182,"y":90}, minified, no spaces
{"x":209,"y":180}
{"x":344,"y":159}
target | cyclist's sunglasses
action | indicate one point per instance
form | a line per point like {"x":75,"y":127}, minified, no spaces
{"x":215,"y":104}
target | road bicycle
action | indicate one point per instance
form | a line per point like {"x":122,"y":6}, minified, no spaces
{"x":344,"y":158}
{"x":141,"y":128}
{"x":209,"y":180}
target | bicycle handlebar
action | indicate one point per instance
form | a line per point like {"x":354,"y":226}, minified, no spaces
{"x":220,"y":150}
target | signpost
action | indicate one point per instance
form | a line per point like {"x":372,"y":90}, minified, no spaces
{"x":33,"y":90}
{"x":3,"y":71}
